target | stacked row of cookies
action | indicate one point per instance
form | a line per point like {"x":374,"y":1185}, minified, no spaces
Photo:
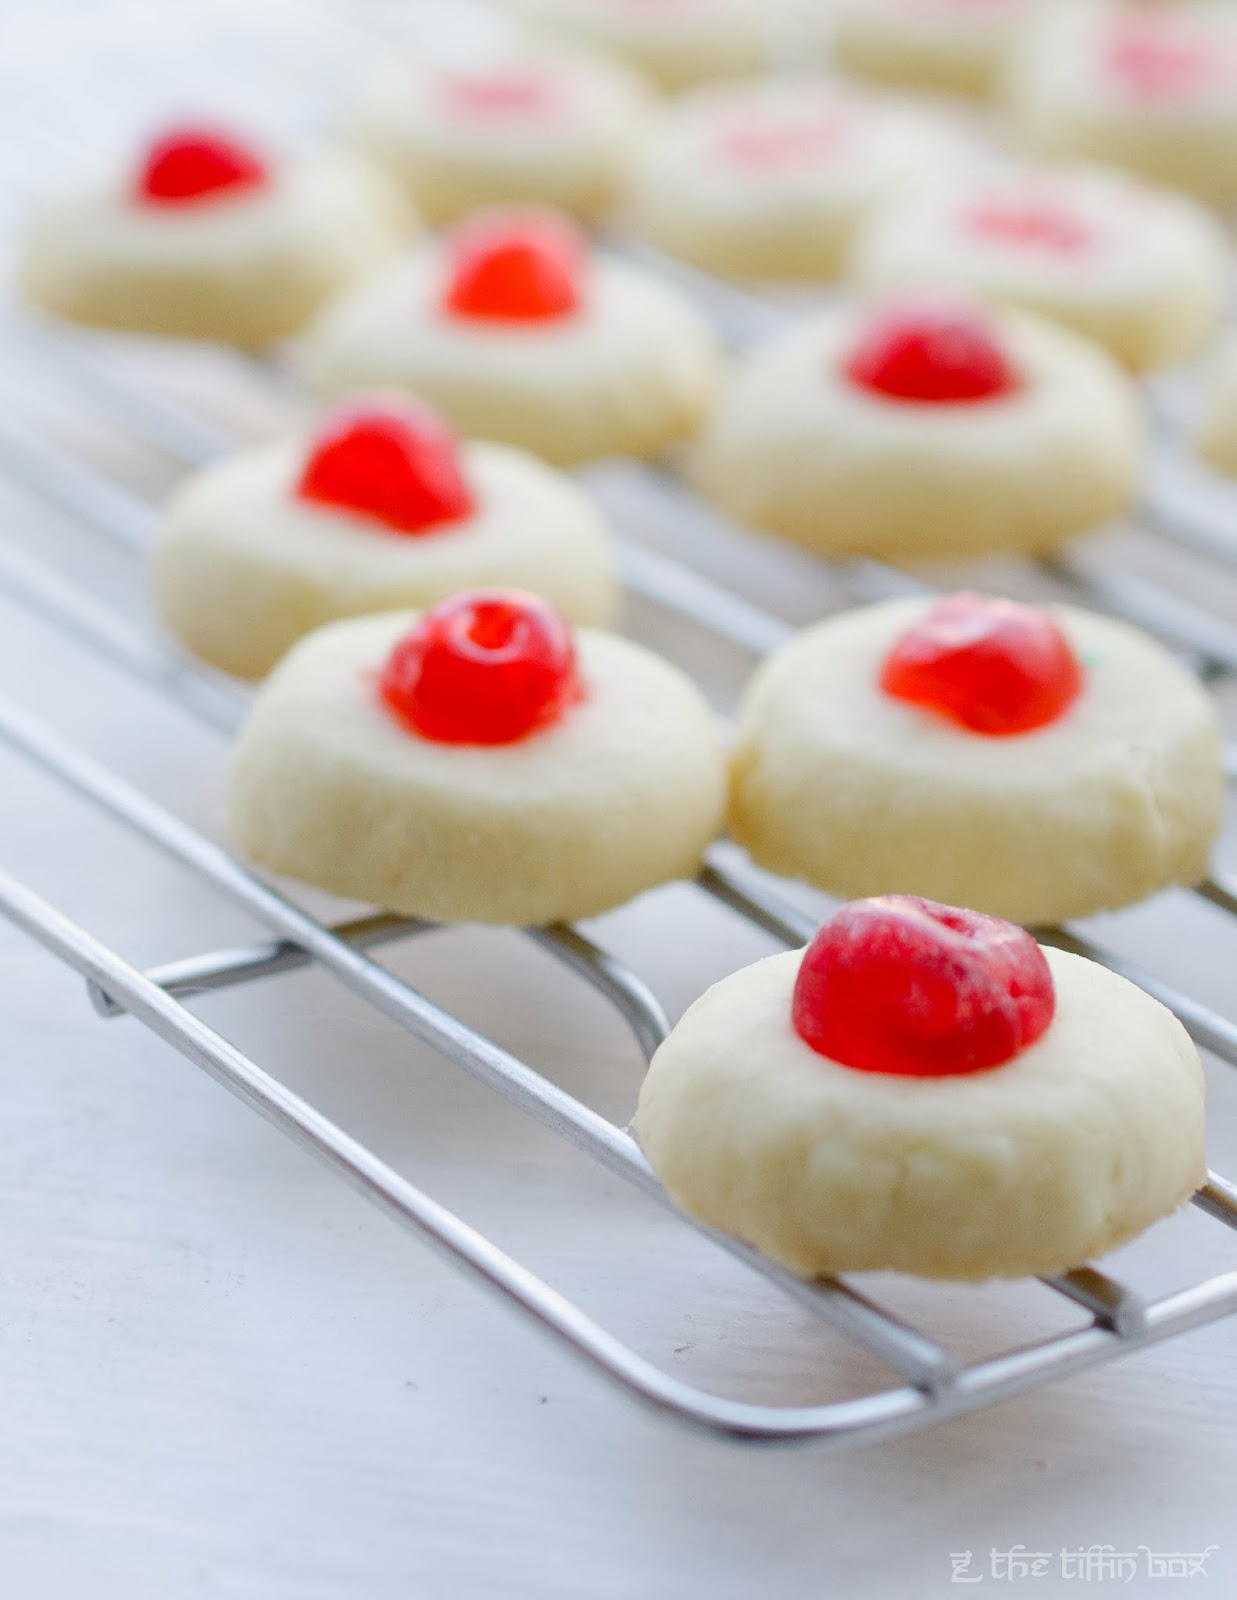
{"x":518,"y":331}
{"x":447,"y":730}
{"x":808,"y":177}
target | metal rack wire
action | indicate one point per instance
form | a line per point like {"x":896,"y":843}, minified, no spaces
{"x":931,"y":1384}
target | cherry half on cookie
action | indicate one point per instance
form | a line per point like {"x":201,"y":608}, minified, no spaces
{"x":394,"y":460}
{"x":515,"y":267}
{"x":188,"y":164}
{"x":906,"y":986}
{"x":487,"y":667}
{"x":932,"y":352}
{"x":995,"y":667}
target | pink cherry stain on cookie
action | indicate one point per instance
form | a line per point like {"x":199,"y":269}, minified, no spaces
{"x":486,"y":667}
{"x":1037,"y":224}
{"x":510,"y":95}
{"x":1161,"y":59}
{"x":777,"y":140}
{"x":991,"y":666}
{"x":908,"y":987}
{"x":393,"y":460}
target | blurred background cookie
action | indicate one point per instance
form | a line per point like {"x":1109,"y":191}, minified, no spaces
{"x":1150,"y":87}
{"x":516,"y":331}
{"x":920,"y":427}
{"x":522,"y":123}
{"x":771,"y":179}
{"x":381,"y":506}
{"x":209,"y":234}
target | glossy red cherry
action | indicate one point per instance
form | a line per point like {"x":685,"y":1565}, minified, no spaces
{"x":393,"y":460}
{"x":901,"y":985}
{"x":1038,"y":224}
{"x":932,"y":352}
{"x":189,"y":163}
{"x":515,"y":267}
{"x":995,"y":667}
{"x":486,"y":667}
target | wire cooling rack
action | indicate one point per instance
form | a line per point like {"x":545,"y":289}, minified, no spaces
{"x":930,"y":1384}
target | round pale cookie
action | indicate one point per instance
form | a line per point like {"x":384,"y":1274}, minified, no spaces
{"x":676,"y":43}
{"x":797,"y":448}
{"x":951,"y":46}
{"x":244,"y":567}
{"x":840,"y":783}
{"x":245,"y":269}
{"x":627,"y":373}
{"x":541,"y":125}
{"x":1142,"y":271}
{"x":1149,"y":87}
{"x":1077,"y":1144}
{"x":773,"y":179}
{"x":623,"y":792}
{"x":1217,"y":434}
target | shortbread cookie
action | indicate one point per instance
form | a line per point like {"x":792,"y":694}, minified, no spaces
{"x":923,"y":428}
{"x":1152,"y":87}
{"x":380,"y":509}
{"x":1079,"y":1127}
{"x":1142,"y":271}
{"x":676,"y":43}
{"x":211,"y":238}
{"x":478,"y":764}
{"x":954,"y":46}
{"x":514,"y":332}
{"x":1035,"y":765}
{"x":772,"y":179}
{"x":531,"y":125}
{"x":1217,"y":437}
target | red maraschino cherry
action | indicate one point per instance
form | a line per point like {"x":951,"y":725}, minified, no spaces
{"x":995,"y":667}
{"x":901,"y":985}
{"x":931,"y":352}
{"x":515,"y":267}
{"x":394,"y":460}
{"x":189,"y":163}
{"x":486,"y":667}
